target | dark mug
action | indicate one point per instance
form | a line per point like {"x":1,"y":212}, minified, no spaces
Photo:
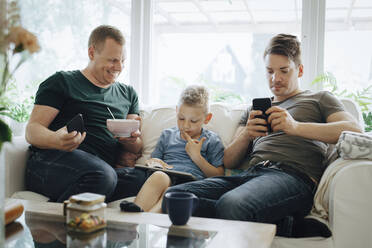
{"x":180,"y":206}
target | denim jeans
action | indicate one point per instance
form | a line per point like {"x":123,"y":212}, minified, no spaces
{"x":260,"y":194}
{"x":60,"y":174}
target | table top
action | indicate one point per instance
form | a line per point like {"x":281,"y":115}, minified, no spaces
{"x":207,"y":231}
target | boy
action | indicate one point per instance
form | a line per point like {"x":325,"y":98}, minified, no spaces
{"x":188,"y":148}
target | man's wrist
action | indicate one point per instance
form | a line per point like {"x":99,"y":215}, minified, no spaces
{"x":246,"y":136}
{"x":297,"y":128}
{"x":54,"y":137}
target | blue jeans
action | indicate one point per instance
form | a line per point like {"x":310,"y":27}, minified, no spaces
{"x":59,"y":174}
{"x":260,"y":194}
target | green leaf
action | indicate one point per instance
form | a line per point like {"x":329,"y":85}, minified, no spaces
{"x":367,"y":117}
{"x":362,"y":97}
{"x":5,"y":133}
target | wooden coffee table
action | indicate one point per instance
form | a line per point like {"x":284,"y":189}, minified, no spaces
{"x":227,"y":233}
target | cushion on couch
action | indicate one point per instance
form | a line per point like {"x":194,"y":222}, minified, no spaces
{"x":353,"y":145}
{"x":29,"y":195}
{"x":224,"y":122}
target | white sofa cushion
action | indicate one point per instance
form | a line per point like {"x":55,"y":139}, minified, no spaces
{"x":14,"y":155}
{"x":224,"y":122}
{"x":29,"y":195}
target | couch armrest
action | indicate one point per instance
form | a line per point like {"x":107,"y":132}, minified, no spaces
{"x":14,"y":155}
{"x":350,"y":205}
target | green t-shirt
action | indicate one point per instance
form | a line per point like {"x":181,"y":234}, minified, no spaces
{"x":303,"y":154}
{"x":72,"y":93}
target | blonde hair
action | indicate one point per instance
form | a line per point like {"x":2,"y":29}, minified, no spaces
{"x":195,"y":96}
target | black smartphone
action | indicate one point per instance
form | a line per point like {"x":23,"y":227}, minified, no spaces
{"x":76,"y":124}
{"x":262,"y":104}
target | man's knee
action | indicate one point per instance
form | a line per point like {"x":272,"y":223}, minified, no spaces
{"x":234,"y":207}
{"x":101,"y":179}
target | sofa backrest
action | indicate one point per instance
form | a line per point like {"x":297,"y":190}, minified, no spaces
{"x":224,"y":122}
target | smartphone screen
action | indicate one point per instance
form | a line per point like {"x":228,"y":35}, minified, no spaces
{"x":76,"y":124}
{"x":262,"y":104}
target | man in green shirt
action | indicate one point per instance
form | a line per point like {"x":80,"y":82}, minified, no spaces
{"x":64,"y":163}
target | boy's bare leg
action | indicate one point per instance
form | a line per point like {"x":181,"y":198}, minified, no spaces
{"x":157,"y":207}
{"x":152,"y":190}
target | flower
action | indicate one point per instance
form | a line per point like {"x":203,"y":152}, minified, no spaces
{"x":16,"y":45}
{"x":23,"y":40}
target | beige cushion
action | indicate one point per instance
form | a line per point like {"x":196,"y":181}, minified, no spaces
{"x":224,"y":122}
{"x":116,"y":204}
{"x":29,"y":195}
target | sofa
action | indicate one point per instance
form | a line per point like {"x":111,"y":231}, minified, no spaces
{"x":349,"y":195}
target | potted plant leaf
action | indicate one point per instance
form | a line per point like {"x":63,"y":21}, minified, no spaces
{"x":362,"y":97}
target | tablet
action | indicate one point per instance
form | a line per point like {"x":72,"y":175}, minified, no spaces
{"x":181,"y":174}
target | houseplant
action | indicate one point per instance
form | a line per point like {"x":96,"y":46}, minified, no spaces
{"x":16,"y":45}
{"x":18,"y":102}
{"x":362,"y":97}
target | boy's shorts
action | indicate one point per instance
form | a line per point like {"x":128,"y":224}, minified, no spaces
{"x":179,"y":180}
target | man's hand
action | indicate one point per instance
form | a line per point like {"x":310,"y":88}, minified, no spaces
{"x":127,"y":159}
{"x":281,"y":120}
{"x":255,"y":127}
{"x":129,"y":140}
{"x":134,"y":135}
{"x":193,"y":146}
{"x":69,"y":141}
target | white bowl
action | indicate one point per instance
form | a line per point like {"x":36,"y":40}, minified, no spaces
{"x":122,"y":127}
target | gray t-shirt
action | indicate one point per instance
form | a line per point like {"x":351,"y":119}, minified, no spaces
{"x":303,"y":154}
{"x":171,"y":149}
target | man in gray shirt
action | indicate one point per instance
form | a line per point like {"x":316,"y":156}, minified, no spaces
{"x":284,"y":165}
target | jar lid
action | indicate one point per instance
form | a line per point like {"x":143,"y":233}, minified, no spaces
{"x":87,"y":198}
{"x":86,"y":208}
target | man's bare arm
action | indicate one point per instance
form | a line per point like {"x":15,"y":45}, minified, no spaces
{"x":237,"y":149}
{"x":38,"y":134}
{"x":329,"y":132}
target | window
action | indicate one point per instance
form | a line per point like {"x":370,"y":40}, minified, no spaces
{"x":63,"y":28}
{"x":217,"y":43}
{"x":348,"y":39}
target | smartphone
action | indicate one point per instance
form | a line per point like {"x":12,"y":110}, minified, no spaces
{"x":262,"y":104}
{"x":76,"y":124}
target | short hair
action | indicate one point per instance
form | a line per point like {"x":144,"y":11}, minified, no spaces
{"x":195,"y":96}
{"x":287,"y":45}
{"x":99,"y":35}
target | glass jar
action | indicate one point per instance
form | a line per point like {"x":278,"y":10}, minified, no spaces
{"x":85,"y":213}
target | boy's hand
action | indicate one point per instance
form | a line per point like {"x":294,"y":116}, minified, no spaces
{"x":158,"y":163}
{"x":193,"y":146}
